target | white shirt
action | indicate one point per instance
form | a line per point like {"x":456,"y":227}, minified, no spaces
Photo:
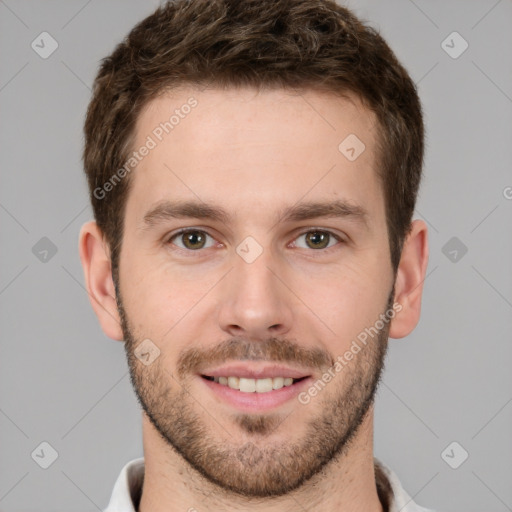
{"x":128,"y":489}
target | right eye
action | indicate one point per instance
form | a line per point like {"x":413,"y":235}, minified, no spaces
{"x":190,"y":239}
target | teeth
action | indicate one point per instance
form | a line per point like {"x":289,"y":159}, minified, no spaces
{"x":263,"y":385}
{"x":247,"y":385}
{"x":254,"y":385}
{"x":277,"y":383}
{"x":234,"y":382}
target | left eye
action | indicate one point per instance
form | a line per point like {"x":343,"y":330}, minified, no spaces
{"x":318,"y":239}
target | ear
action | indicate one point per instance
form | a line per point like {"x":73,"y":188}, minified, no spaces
{"x":409,"y":280}
{"x":95,"y":259}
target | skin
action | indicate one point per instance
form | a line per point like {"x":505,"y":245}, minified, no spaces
{"x":253,"y":154}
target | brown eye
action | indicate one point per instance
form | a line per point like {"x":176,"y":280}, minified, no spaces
{"x":317,"y":239}
{"x":190,"y":239}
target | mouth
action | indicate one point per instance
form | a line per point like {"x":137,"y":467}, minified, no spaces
{"x":254,"y":388}
{"x":248,"y":385}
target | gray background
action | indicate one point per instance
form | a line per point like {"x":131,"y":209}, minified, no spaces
{"x":64,"y":382}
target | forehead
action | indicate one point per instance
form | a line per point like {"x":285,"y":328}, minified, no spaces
{"x":251,"y":149}
{"x":246,"y":116}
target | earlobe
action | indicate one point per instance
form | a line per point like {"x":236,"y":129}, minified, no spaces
{"x":409,"y":280}
{"x":98,"y":279}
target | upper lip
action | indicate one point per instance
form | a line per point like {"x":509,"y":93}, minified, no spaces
{"x":255,"y":371}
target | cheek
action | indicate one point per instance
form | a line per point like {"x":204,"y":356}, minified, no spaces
{"x":159,"y":300}
{"x":345,"y":303}
{"x":145,"y":297}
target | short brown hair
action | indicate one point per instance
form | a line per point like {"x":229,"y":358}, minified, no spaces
{"x":297,"y":44}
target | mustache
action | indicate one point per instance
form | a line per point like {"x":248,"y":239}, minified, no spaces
{"x":194,"y":360}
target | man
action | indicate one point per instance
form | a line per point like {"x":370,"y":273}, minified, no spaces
{"x":253,"y":169}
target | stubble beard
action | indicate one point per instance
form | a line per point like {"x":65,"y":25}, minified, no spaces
{"x":256,"y":466}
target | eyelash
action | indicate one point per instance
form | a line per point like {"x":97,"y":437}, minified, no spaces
{"x":168,"y":240}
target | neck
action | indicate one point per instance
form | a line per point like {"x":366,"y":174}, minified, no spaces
{"x":346,"y":484}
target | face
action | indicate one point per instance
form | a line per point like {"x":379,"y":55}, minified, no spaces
{"x":255,"y":253}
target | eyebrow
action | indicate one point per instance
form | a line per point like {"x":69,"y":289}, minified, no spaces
{"x":166,"y":210}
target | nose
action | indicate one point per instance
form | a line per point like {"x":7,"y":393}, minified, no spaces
{"x":255,"y":301}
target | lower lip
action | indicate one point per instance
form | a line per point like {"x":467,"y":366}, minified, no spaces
{"x":251,"y":402}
